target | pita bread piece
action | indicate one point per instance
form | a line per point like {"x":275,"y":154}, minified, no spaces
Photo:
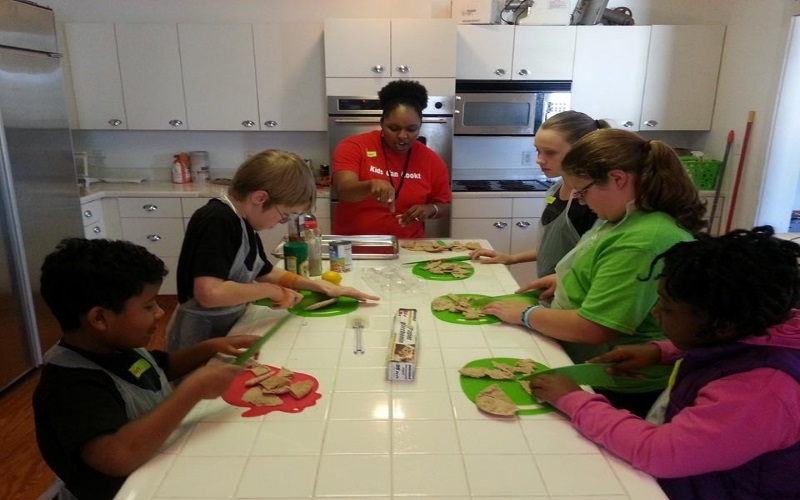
{"x":321,"y":304}
{"x":299,"y":390}
{"x":257,"y":397}
{"x":496,"y":402}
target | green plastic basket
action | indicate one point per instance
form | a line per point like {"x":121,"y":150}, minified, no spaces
{"x":703,"y":173}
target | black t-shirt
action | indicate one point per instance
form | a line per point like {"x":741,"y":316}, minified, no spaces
{"x":213,"y":237}
{"x":581,"y":217}
{"x":72,"y":406}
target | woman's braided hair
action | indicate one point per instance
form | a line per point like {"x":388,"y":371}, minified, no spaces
{"x":749,"y":280}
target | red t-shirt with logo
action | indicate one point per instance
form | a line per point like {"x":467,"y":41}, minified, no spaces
{"x":426,"y":181}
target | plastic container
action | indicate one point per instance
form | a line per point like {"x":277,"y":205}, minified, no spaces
{"x":703,"y":173}
{"x":180,"y":169}
{"x":313,"y":238}
{"x":295,"y":255}
{"x":200,"y":168}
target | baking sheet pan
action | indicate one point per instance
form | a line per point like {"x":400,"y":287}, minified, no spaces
{"x":364,"y":247}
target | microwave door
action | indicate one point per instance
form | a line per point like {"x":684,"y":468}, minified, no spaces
{"x":497,"y":114}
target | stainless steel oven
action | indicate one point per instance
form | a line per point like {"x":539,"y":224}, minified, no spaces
{"x":351,"y":115}
{"x":507,"y":108}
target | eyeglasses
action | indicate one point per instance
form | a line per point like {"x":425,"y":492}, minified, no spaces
{"x":580,"y":193}
{"x":284,"y":217}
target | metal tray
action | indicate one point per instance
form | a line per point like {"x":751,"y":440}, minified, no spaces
{"x":364,"y":247}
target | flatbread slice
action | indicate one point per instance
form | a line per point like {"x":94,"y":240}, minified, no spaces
{"x":257,"y":397}
{"x":299,"y":389}
{"x":496,"y":402}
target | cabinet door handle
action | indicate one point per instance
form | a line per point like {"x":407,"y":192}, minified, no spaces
{"x":176,"y":123}
{"x":377,"y":68}
{"x":499,"y":72}
{"x":651,"y":123}
{"x":115,"y":122}
{"x":627,"y":124}
{"x":500,"y":224}
{"x":96,"y":230}
{"x":271,"y":123}
{"x":403,"y":69}
{"x":523,"y":72}
{"x":523,"y":224}
{"x":249,"y":123}
{"x":150,"y":207}
{"x":154,"y":237}
{"x":87,"y":214}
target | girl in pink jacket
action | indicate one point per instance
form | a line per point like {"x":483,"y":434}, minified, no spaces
{"x":728,"y":426}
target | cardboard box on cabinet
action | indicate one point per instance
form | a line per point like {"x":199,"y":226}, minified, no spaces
{"x":476,"y":11}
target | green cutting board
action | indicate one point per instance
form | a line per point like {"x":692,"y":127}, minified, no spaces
{"x":344,"y":305}
{"x":530,"y":298}
{"x":472,"y":386}
{"x":419,"y":270}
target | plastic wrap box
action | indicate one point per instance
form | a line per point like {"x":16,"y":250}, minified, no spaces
{"x":476,"y":11}
{"x":403,"y":346}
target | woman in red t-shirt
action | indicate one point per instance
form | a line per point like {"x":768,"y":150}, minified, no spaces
{"x":388,"y":182}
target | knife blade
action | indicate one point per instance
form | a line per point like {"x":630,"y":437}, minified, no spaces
{"x":595,"y":375}
{"x":258,"y":344}
{"x":457,"y":258}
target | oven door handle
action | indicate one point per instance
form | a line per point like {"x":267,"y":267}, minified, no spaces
{"x":377,"y":120}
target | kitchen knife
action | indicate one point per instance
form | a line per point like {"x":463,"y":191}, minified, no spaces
{"x":443,"y":259}
{"x":258,"y":344}
{"x":594,"y":374}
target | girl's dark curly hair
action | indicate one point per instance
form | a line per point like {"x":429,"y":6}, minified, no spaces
{"x":403,"y":93}
{"x":748,"y":280}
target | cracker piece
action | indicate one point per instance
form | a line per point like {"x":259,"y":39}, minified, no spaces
{"x":473,"y":371}
{"x":499,"y":374}
{"x":300,"y":389}
{"x":258,"y":370}
{"x":493,"y":400}
{"x":255,"y":396}
{"x":275,"y":385}
{"x":525,"y":366}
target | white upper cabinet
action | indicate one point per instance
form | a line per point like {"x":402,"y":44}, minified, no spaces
{"x":543,"y":52}
{"x":289,"y":70}
{"x":150,"y":65}
{"x":609,"y":73}
{"x":396,"y":48}
{"x":682,"y":70}
{"x":504,"y":52}
{"x":484,"y":52}
{"x":648,"y":78}
{"x":219,"y":76}
{"x":95,"y":76}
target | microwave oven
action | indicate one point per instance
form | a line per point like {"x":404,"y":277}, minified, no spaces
{"x":507,"y":108}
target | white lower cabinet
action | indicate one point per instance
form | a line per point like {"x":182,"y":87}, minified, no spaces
{"x":509,"y":224}
{"x":156,"y":224}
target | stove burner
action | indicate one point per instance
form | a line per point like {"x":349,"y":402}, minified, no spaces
{"x":501,"y":185}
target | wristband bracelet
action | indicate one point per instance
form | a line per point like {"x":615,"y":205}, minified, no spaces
{"x":527,"y":312}
{"x":287,"y":279}
{"x":435,"y":211}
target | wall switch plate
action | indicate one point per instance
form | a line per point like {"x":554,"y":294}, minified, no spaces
{"x":527,"y":158}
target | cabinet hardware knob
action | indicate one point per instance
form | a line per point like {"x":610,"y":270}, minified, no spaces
{"x":97,"y":230}
{"x":271,"y":123}
{"x":403,"y":69}
{"x":500,"y":224}
{"x":523,"y":72}
{"x":523,"y":224}
{"x":627,"y":124}
{"x":249,"y":123}
{"x":499,"y":72}
{"x":176,"y":123}
{"x":87,"y":214}
{"x":377,"y":68}
{"x":115,"y":122}
{"x":154,"y":237}
{"x":651,"y":123}
{"x":150,"y":207}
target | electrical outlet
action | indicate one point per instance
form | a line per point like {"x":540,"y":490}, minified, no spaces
{"x":527,"y":158}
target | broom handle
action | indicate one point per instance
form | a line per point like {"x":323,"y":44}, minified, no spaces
{"x":728,"y":144}
{"x":751,"y":116}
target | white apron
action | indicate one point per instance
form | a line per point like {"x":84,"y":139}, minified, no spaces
{"x":192,"y":323}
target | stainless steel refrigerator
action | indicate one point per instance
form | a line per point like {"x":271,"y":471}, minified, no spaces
{"x":39,"y":202}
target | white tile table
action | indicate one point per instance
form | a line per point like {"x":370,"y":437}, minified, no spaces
{"x":368,"y":438}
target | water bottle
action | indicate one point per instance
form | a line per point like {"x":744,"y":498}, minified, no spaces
{"x":313,"y":237}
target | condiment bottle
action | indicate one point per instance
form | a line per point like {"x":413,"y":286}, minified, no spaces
{"x":313,"y":237}
{"x":293,"y":227}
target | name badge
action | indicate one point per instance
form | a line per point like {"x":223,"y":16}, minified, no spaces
{"x":372,"y":154}
{"x":139,"y":367}
{"x":550,"y":200}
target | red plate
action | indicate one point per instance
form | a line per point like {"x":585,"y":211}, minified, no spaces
{"x":237,"y":389}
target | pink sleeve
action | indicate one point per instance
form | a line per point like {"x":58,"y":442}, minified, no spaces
{"x":669,"y":353}
{"x":733,"y":420}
